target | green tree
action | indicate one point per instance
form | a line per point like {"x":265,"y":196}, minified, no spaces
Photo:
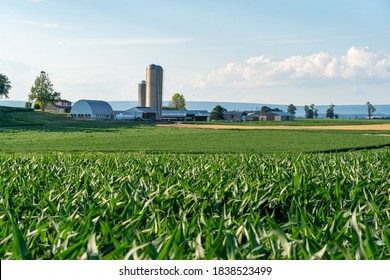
{"x":178,"y":102}
{"x":42,"y":91}
{"x":27,"y":105}
{"x":5,"y":86}
{"x":218,"y":113}
{"x":330,"y":112}
{"x":265,"y":109}
{"x":310,"y":111}
{"x":291,"y":109}
{"x":371,"y":109}
{"x":306,"y":108}
{"x":315,"y":111}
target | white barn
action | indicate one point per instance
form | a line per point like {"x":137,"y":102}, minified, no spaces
{"x":135,"y":113}
{"x":92,"y":109}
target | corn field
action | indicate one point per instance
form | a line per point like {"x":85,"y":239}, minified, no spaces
{"x":139,"y":206}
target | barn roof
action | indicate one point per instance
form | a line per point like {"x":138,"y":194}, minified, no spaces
{"x":236,"y":113}
{"x":96,"y":106}
{"x":279,"y":113}
{"x":183,"y":113}
{"x":140,"y":110}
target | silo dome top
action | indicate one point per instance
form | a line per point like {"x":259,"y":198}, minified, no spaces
{"x":143,"y":82}
{"x":154,"y":67}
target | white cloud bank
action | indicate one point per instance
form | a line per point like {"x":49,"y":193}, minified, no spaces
{"x":358,"y":64}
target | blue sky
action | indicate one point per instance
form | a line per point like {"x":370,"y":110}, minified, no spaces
{"x":279,"y":52}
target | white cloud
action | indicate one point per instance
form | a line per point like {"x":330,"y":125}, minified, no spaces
{"x":359,"y":63}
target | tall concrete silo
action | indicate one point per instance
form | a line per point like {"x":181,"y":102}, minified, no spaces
{"x":154,"y":88}
{"x":142,"y":94}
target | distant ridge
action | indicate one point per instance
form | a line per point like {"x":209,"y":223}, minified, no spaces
{"x":12,"y":103}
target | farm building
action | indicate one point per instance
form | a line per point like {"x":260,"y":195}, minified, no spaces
{"x":135,"y":113}
{"x":92,"y":109}
{"x":254,"y":116}
{"x":61,"y":106}
{"x":243,"y":116}
{"x":276,"y":116}
{"x":147,"y":113}
{"x":185,"y":115}
{"x":236,"y":116}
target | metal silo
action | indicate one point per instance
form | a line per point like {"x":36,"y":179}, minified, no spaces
{"x":142,"y":94}
{"x":154,"y":88}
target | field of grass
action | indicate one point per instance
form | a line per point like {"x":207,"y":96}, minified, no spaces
{"x":122,"y":190}
{"x":150,"y":139}
{"x":195,"y":206}
{"x":29,"y":131}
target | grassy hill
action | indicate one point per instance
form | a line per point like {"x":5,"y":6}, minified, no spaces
{"x":11,"y":116}
{"x":27,"y":119}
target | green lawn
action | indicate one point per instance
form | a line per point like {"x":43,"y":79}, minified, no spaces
{"x":150,"y":139}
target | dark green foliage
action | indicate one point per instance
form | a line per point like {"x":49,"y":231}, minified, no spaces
{"x":265,"y":109}
{"x":371,"y":109}
{"x":330,"y":112}
{"x":178,"y":102}
{"x":310,"y":111}
{"x":291,"y":109}
{"x":5,"y":86}
{"x":218,"y":113}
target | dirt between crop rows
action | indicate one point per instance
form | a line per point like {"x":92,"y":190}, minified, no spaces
{"x":381,"y":127}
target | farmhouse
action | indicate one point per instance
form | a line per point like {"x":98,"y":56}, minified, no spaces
{"x":254,"y":116}
{"x":243,"y":116}
{"x":276,"y":116}
{"x":236,"y":116}
{"x":61,"y":106}
{"x":92,"y":109}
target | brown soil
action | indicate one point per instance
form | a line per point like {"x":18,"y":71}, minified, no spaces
{"x":338,"y":127}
